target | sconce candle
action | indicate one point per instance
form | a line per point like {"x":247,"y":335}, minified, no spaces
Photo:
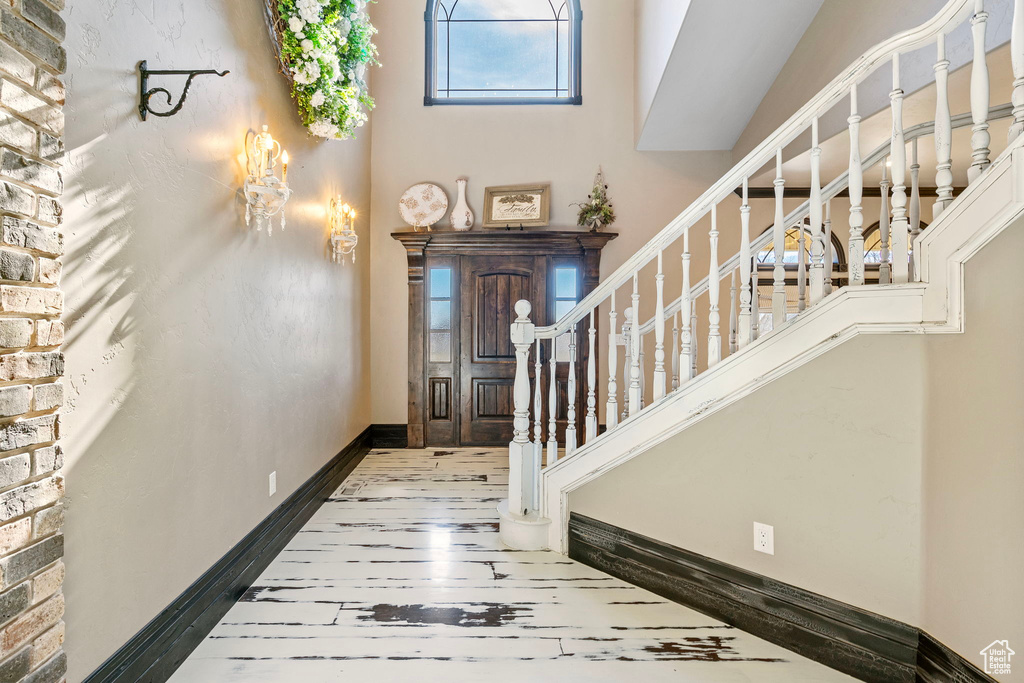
{"x":265,"y":195}
{"x":343,"y":231}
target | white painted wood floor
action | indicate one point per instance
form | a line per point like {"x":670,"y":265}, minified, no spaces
{"x":401,"y":577}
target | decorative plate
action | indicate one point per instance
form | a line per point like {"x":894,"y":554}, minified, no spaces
{"x":423,"y":204}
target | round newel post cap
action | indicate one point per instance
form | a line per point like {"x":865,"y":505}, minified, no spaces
{"x":523,"y":309}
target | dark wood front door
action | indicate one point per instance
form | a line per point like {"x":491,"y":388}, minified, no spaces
{"x":490,"y":287}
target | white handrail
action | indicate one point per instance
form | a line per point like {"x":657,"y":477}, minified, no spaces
{"x":1003,"y":111}
{"x":953,"y":12}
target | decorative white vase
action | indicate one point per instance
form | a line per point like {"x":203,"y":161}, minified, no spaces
{"x":462,"y":217}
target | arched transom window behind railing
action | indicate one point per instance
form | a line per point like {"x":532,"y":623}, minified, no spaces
{"x":503,"y":52}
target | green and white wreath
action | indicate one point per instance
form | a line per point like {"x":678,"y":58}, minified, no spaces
{"x":326,"y":47}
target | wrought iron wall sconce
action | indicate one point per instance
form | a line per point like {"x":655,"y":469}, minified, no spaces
{"x":343,"y":231}
{"x":146,"y":93}
{"x":265,"y":194}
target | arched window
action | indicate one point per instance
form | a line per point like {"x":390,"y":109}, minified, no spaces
{"x":767,"y":255}
{"x":873,"y":244}
{"x":503,"y":52}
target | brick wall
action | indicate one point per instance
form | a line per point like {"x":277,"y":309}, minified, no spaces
{"x":31,"y":244}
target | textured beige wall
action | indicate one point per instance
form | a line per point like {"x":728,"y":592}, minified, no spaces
{"x":505,"y":145}
{"x":808,"y":455}
{"x":201,"y":355}
{"x":974,"y":464}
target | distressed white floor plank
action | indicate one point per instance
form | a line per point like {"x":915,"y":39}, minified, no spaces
{"x":400,"y":576}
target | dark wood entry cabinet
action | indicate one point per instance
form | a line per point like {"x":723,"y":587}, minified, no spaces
{"x":462,"y":289}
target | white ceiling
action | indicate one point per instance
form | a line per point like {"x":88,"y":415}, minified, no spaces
{"x":726,"y":57}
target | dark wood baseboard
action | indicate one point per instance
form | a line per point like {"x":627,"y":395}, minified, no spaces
{"x":936,"y":663}
{"x":862,"y":644}
{"x":154,"y":653}
{"x":390,"y":436}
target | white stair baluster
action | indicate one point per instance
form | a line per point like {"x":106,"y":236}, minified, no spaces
{"x":943,"y":132}
{"x":817,"y":287}
{"x":693,"y":346}
{"x":829,"y":254}
{"x":755,"y":303}
{"x":675,"y":350}
{"x":980,"y":137}
{"x":915,"y":206}
{"x":714,"y":285}
{"x":856,"y":184}
{"x":1017,"y":59}
{"x":553,"y":406}
{"x":688,"y":330}
{"x":570,"y":406}
{"x":659,"y":334}
{"x":591,"y":424}
{"x":900,"y":227}
{"x":744,"y":322}
{"x":523,"y":471}
{"x":538,"y":407}
{"x":884,"y":268}
{"x":801,"y":267}
{"x":733,"y":313}
{"x":611,"y":416}
{"x":627,"y":363}
{"x":634,"y":349}
{"x":779,"y":242}
{"x":643,"y":375}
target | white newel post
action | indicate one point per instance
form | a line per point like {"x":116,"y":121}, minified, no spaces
{"x":523,"y":468}
{"x":591,"y":424}
{"x":900,"y":227}
{"x":980,"y":136}
{"x":520,"y":525}
{"x":538,"y":408}
{"x":779,"y":243}
{"x":611,"y":416}
{"x":817,"y":288}
{"x":856,"y":265}
{"x":884,"y":267}
{"x":714,"y":285}
{"x":1017,"y":59}
{"x":659,"y":334}
{"x":943,"y":132}
{"x":744,"y":323}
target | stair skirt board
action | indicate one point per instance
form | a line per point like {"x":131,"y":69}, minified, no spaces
{"x":862,"y":644}
{"x":155,"y":652}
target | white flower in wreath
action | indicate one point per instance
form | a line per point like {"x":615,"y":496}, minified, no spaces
{"x":306,"y":45}
{"x":344,"y":27}
{"x":296,"y":24}
{"x":309,"y":10}
{"x":317,"y":99}
{"x":323,"y":128}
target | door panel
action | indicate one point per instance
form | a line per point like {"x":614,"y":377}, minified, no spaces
{"x":491,"y":285}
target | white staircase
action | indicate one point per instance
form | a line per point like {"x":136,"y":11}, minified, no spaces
{"x":920,"y":290}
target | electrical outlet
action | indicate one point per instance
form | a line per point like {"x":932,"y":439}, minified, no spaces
{"x":273,"y":482}
{"x":764,"y":538}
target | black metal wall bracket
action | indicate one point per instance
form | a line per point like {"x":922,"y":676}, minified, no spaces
{"x":146,"y":93}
